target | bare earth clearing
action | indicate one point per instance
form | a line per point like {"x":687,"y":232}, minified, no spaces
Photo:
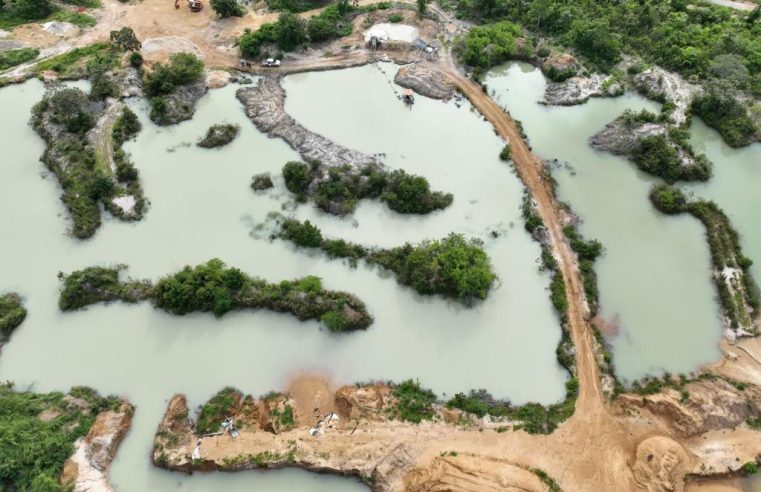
{"x":633,"y":443}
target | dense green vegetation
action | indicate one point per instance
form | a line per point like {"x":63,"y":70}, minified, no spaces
{"x":291,"y":31}
{"x":16,"y":12}
{"x":70,"y":157}
{"x":214,"y":411}
{"x":219,"y":136}
{"x":63,"y":118}
{"x":345,"y":186}
{"x":414,"y":403}
{"x":99,"y":284}
{"x":213,"y":287}
{"x":489,"y":45}
{"x":720,"y":108}
{"x":656,"y":155}
{"x":531,"y":417}
{"x":11,"y":58}
{"x":227,"y":8}
{"x":675,"y":34}
{"x":33,"y":450}
{"x":738,"y":293}
{"x":454,"y":267}
{"x":261,"y":182}
{"x":12,"y":314}
{"x":163,"y":80}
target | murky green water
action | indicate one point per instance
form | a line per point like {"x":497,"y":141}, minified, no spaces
{"x":202,"y":207}
{"x":654,"y":278}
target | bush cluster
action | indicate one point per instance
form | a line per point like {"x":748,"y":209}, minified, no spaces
{"x":656,"y":155}
{"x":453,"y":267}
{"x":227,"y":8}
{"x":183,"y":68}
{"x":345,"y":186}
{"x":12,"y":314}
{"x":291,"y":31}
{"x":219,"y":136}
{"x":98,"y":284}
{"x":489,"y":45}
{"x":532,"y":417}
{"x":720,"y":108}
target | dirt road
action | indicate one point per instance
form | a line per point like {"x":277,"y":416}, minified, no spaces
{"x":529,"y":169}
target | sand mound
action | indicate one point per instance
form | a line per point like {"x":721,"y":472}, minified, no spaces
{"x":161,"y":48}
{"x":60,"y":28}
{"x":660,"y":465}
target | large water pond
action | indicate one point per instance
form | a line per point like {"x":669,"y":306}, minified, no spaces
{"x":655,"y":287}
{"x":202,"y":207}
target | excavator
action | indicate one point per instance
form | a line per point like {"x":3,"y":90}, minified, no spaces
{"x":195,"y":5}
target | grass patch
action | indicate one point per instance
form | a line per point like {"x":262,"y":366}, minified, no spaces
{"x":12,"y":58}
{"x":219,"y":136}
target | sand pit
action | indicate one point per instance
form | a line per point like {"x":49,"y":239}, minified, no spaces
{"x":393,"y":32}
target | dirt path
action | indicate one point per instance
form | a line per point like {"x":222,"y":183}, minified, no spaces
{"x":529,"y":168}
{"x":733,"y":4}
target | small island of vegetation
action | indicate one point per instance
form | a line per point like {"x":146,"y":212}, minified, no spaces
{"x":12,"y":314}
{"x":213,"y":287}
{"x":337,"y":190}
{"x":219,"y":136}
{"x":453,"y":267}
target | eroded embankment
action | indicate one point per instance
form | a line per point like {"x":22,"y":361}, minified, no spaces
{"x":396,"y":437}
{"x":265,"y":106}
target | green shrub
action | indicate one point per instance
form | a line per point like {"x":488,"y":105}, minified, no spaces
{"x":489,"y":45}
{"x":505,"y":153}
{"x":297,"y":177}
{"x":395,"y":17}
{"x":125,"y":39}
{"x":414,"y":404}
{"x":136,"y":59}
{"x":183,"y":68}
{"x":291,"y":30}
{"x":12,"y":314}
{"x":219,"y":135}
{"x":409,"y":194}
{"x":719,"y":108}
{"x":454,"y":267}
{"x":750,"y":468}
{"x":302,"y":234}
{"x":668,"y":199}
{"x":657,"y":156}
{"x":126,"y":126}
{"x":227,"y":8}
